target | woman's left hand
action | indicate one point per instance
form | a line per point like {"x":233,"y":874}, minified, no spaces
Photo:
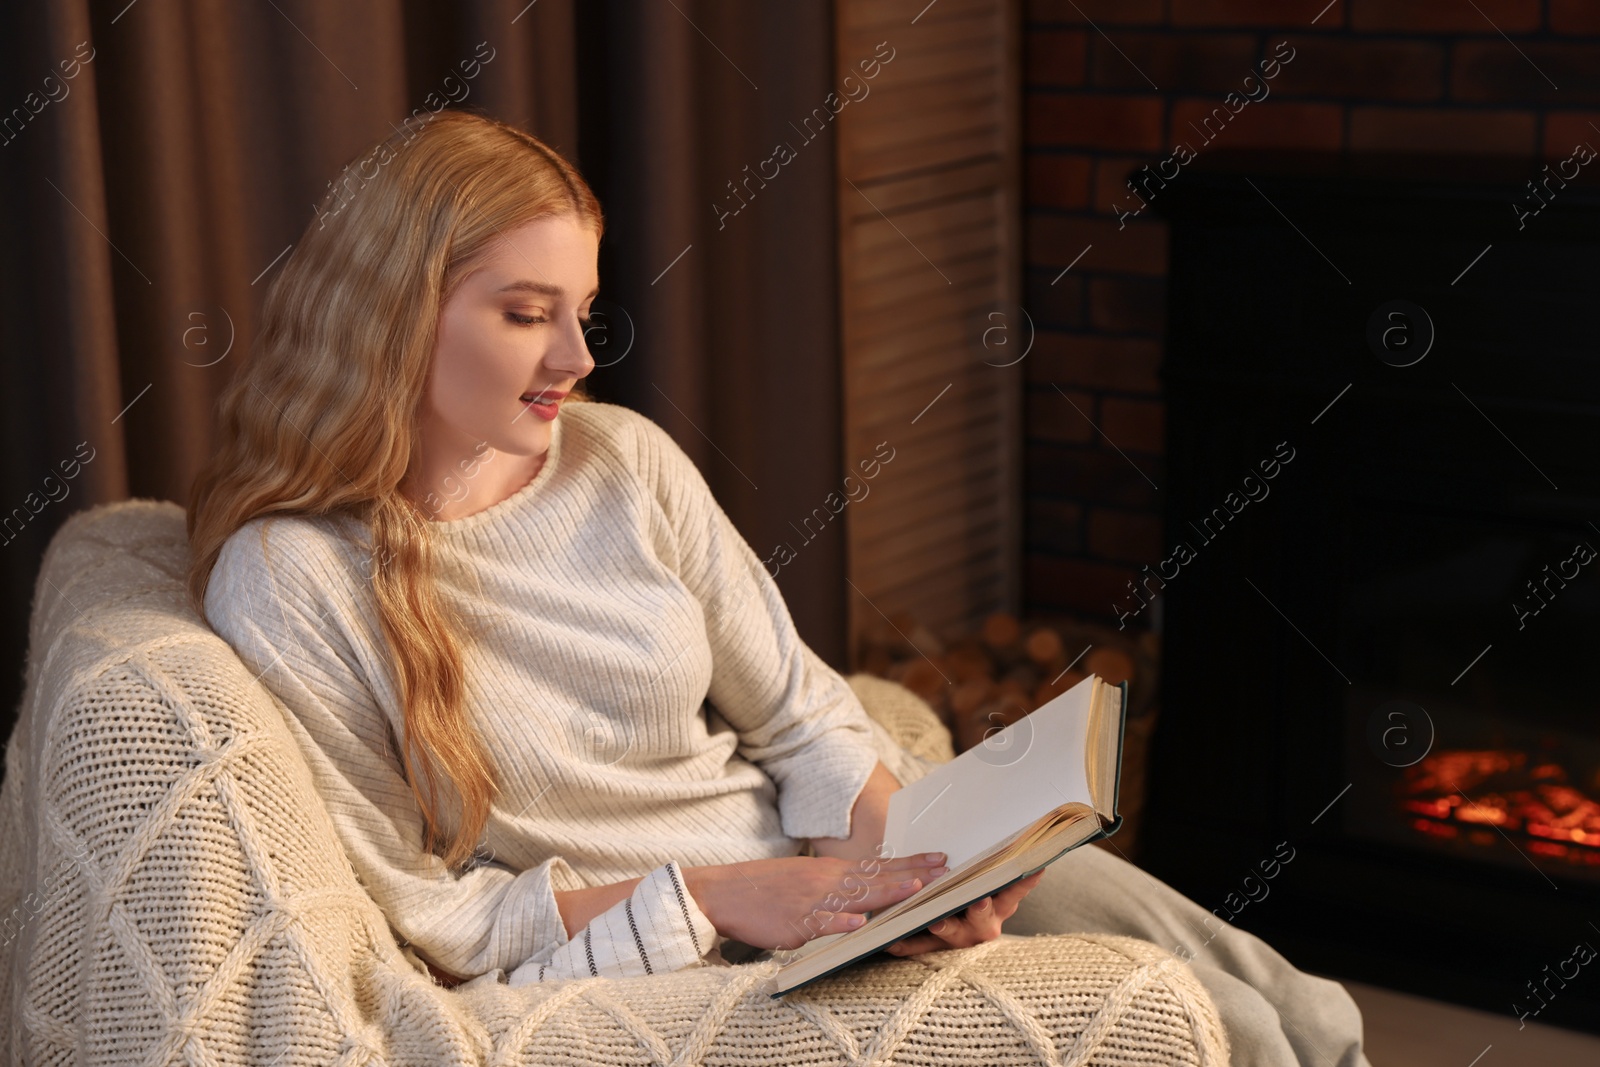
{"x":978,"y":923}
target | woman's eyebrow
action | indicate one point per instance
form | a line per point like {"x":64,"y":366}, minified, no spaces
{"x":542,"y":288}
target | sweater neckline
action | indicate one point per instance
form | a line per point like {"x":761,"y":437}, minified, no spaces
{"x":515,"y":500}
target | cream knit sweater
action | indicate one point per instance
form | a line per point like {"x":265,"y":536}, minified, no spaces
{"x":635,"y":675}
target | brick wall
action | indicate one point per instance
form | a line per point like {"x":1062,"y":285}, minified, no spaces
{"x":1111,"y":85}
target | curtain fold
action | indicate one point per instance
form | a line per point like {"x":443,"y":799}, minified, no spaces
{"x":152,"y":195}
{"x":737,"y":316}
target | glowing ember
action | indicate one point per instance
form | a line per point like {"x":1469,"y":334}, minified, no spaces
{"x":1451,"y":794}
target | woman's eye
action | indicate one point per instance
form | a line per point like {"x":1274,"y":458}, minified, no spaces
{"x":522,"y":320}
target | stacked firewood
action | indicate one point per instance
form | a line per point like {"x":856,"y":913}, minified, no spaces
{"x":984,"y":681}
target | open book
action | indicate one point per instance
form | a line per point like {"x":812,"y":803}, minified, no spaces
{"x":999,"y":811}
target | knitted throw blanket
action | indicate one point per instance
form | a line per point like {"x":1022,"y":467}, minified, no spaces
{"x":172,"y":891}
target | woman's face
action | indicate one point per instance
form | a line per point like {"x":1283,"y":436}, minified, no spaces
{"x":512,"y":332}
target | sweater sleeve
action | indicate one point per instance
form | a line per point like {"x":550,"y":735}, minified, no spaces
{"x":657,"y":929}
{"x":796,"y":717}
{"x":295,"y":624}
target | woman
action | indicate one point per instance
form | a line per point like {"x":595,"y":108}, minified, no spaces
{"x":558,"y":709}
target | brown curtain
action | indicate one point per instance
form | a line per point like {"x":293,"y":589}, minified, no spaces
{"x":150,"y":196}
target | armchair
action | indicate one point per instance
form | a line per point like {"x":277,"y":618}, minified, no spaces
{"x":171,"y":890}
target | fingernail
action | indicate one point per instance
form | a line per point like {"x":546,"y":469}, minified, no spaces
{"x":933,"y":857}
{"x":937,"y":871}
{"x":855,"y":920}
{"x":908,"y":885}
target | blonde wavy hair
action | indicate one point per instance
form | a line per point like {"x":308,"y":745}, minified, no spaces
{"x":322,"y":417}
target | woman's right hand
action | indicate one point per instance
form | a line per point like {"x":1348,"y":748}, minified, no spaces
{"x":783,"y":903}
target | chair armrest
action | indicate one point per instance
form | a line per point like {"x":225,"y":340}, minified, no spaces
{"x":910,"y":720}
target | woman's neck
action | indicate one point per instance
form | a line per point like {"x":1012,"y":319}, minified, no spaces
{"x":456,"y":489}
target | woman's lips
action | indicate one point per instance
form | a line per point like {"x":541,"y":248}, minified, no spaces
{"x":546,"y":410}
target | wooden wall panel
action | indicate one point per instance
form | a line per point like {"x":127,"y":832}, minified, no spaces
{"x":929,"y":194}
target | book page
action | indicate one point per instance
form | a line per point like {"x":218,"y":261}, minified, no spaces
{"x":974,"y":867}
{"x":950,"y":882}
{"x":1043,"y":846}
{"x":1105,"y":750}
{"x":997,"y":788}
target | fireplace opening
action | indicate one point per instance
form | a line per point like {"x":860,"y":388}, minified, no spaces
{"x":1528,"y":797}
{"x":1387,"y":663}
{"x":1497,"y":760}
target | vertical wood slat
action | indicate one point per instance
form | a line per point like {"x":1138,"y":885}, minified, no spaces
{"x":929,"y":221}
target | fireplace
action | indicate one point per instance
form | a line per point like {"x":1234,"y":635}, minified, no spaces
{"x":1380,"y":658}
{"x":1503,"y":766}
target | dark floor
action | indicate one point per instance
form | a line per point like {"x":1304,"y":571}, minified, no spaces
{"x":1408,"y":1031}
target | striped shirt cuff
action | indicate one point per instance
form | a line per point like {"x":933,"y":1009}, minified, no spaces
{"x":659,"y":928}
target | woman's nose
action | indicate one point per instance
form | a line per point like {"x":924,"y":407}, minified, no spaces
{"x":571,"y":357}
